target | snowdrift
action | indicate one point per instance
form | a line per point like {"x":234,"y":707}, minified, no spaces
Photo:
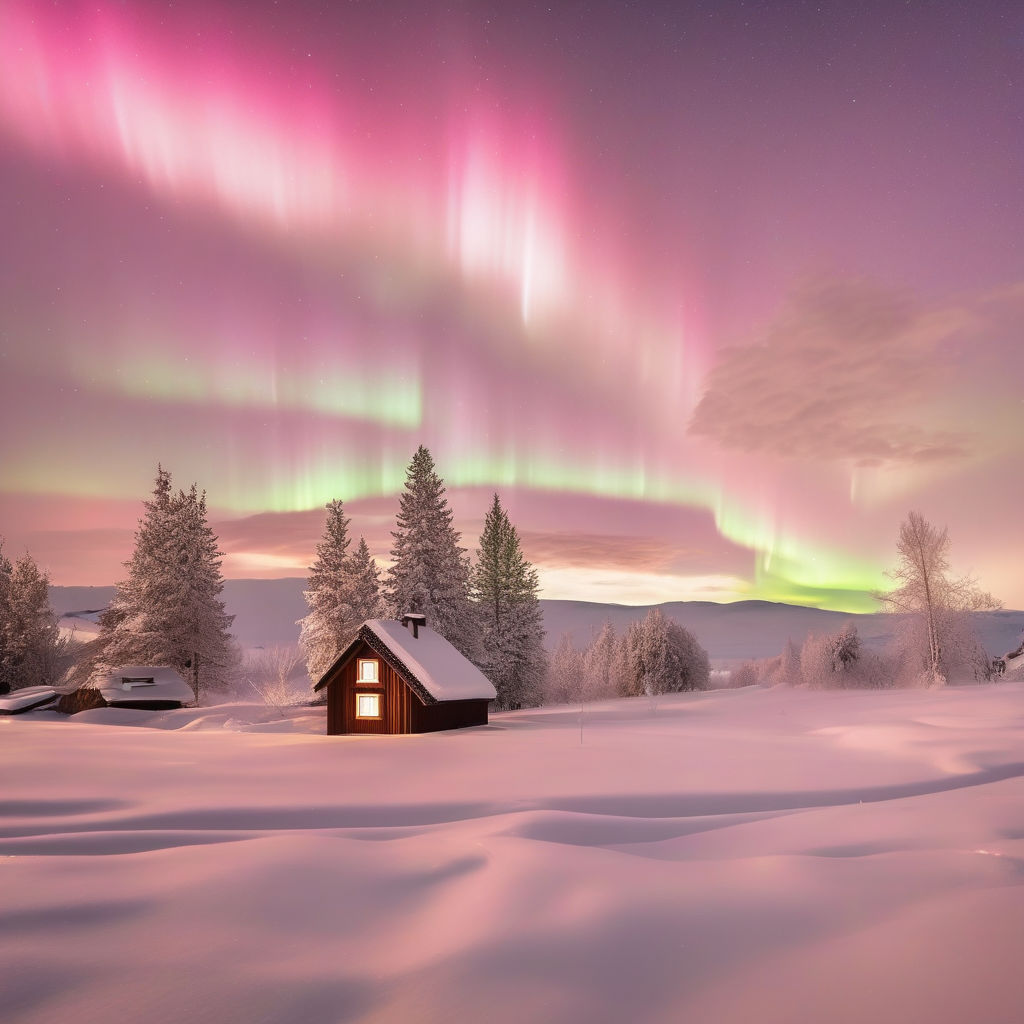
{"x":770,"y":855}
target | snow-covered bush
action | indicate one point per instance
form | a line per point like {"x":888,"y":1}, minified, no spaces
{"x":746,"y":674}
{"x":273,"y":675}
{"x":831,"y":661}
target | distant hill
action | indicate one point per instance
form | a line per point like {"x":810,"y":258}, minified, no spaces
{"x":266,"y":612}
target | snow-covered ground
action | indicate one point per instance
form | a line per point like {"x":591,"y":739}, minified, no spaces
{"x":755,"y":855}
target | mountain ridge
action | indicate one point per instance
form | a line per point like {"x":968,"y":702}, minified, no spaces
{"x":266,"y":612}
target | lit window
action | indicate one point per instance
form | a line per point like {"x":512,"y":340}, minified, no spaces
{"x":367,"y":671}
{"x":367,"y":705}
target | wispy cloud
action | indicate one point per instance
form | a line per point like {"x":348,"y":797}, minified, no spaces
{"x":848,"y":371}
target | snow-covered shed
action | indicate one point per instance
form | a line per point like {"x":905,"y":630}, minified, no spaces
{"x":403,"y":677}
{"x":146,"y":687}
{"x":28,"y":698}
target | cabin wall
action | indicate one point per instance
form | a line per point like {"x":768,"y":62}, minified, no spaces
{"x":400,"y":706}
{"x":453,"y":714}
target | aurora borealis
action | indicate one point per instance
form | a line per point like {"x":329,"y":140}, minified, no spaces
{"x":713,"y":294}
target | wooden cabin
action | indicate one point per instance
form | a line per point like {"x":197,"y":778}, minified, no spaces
{"x":142,"y":687}
{"x":403,"y":677}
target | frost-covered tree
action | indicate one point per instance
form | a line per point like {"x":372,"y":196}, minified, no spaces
{"x":512,"y":627}
{"x":845,"y":648}
{"x":599,"y":662}
{"x":366,"y":596}
{"x":939,"y":638}
{"x":660,"y":656}
{"x":343,"y":592}
{"x":816,"y":661}
{"x":169,"y":610}
{"x":430,"y":572}
{"x":628,"y":663}
{"x":691,"y":668}
{"x":202,"y":628}
{"x":5,"y":614}
{"x":31,"y":647}
{"x":744,"y":674}
{"x":789,"y":666}
{"x":567,"y":676}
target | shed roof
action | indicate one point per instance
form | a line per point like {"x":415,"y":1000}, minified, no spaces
{"x":428,"y":660}
{"x":137,"y":683}
{"x":27,"y":699}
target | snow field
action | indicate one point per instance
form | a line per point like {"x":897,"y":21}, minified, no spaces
{"x":769,"y":855}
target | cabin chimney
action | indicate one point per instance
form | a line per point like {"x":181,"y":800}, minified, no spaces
{"x":413,"y":621}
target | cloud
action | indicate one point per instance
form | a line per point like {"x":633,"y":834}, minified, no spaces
{"x":849,"y":371}
{"x":636,"y":554}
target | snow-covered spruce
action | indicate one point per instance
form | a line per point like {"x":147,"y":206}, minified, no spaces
{"x":31,"y":648}
{"x":343,"y":591}
{"x":168,"y":610}
{"x":506,"y":588}
{"x":430,"y":571}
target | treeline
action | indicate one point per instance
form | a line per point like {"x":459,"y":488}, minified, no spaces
{"x":653,"y":656}
{"x":168,"y":609}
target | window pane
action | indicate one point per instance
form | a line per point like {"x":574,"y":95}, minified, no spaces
{"x":367,"y":705}
{"x":367,"y":671}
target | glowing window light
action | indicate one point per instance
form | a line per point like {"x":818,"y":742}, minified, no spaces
{"x":368,"y":671}
{"x":368,"y":705}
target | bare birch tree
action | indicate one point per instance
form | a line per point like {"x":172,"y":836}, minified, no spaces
{"x":936,"y":602}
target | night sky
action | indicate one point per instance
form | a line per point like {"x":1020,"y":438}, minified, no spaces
{"x":713,"y":294}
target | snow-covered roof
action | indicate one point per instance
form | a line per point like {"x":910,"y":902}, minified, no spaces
{"x":26,"y":699}
{"x":137,"y":683}
{"x":427,"y":659}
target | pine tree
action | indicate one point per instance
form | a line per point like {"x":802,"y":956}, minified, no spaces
{"x":343,"y":592}
{"x":430,"y":572}
{"x":31,"y":646}
{"x":512,"y":629}
{"x":203,"y":626}
{"x":366,"y":599}
{"x":168,"y":610}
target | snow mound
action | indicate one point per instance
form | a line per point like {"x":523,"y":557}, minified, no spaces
{"x":774,"y":855}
